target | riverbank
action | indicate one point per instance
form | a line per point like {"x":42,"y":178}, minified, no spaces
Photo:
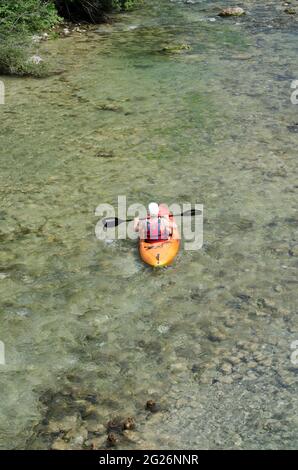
{"x":21,"y":23}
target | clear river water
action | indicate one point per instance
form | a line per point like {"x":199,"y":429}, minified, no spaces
{"x":175,"y":104}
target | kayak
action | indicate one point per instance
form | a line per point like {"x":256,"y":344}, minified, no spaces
{"x":160,"y":253}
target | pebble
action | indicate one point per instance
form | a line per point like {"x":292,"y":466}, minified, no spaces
{"x":77,"y":436}
{"x":152,"y":406}
{"x":60,"y":444}
{"x":232,"y":11}
{"x":97,"y":443}
{"x":94,"y":426}
{"x":226,"y":380}
{"x":226,"y":368}
{"x":178,"y":367}
{"x":112,"y":439}
{"x":35,"y":59}
{"x":162,"y":329}
{"x":252,"y":364}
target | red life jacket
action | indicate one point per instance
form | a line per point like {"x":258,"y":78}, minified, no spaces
{"x":155,"y":229}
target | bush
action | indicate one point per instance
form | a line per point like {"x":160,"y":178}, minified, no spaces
{"x":91,"y":10}
{"x":15,"y":58}
{"x":27,"y":15}
{"x":18,"y":20}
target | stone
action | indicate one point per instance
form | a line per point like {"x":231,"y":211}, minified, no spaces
{"x":35,"y":59}
{"x":232,"y":11}
{"x":97,"y":443}
{"x":178,"y":367}
{"x":216,"y":335}
{"x":77,"y":437}
{"x":129,"y":424}
{"x":228,"y":380}
{"x":152,"y":406}
{"x":94,"y":426}
{"x":112,"y":439}
{"x":290,"y":11}
{"x":175,"y":48}
{"x":60,"y":444}
{"x":226,"y":368}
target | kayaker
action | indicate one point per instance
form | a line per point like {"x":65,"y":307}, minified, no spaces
{"x":158,"y":224}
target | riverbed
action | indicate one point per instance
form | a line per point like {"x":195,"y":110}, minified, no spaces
{"x":175,"y":104}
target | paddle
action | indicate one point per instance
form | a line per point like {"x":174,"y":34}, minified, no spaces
{"x":115,"y":221}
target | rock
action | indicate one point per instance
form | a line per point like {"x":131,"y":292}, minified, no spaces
{"x":97,"y":428}
{"x":226,"y":380}
{"x":77,"y":437}
{"x":178,"y":367}
{"x":290,"y":11}
{"x":115,"y":425}
{"x":65,"y":32}
{"x":112,"y":439}
{"x":109,"y":107}
{"x":234,"y":360}
{"x":258,"y":356}
{"x":129,"y":424}
{"x":232,"y":11}
{"x":226,"y":368}
{"x":103,"y":154}
{"x":152,"y":406}
{"x":35,"y":59}
{"x":293,"y":250}
{"x":175,"y":48}
{"x":97,"y":443}
{"x":36,"y":38}
{"x":3,"y":276}
{"x":251,"y":364}
{"x":60,"y":444}
{"x":216,"y":335}
{"x":162,"y":329}
{"x":131,"y":436}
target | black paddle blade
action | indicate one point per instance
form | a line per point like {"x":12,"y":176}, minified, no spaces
{"x":111,"y":222}
{"x":191,"y":212}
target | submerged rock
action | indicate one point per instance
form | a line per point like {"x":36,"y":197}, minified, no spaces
{"x":152,"y":406}
{"x":175,"y":48}
{"x":290,"y":11}
{"x":60,"y":444}
{"x":105,"y":154}
{"x":232,"y":11}
{"x":129,"y":424}
{"x":112,"y":439}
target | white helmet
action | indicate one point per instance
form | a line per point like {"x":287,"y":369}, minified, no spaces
{"x":153,"y":209}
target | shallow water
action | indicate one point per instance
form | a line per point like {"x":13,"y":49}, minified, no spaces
{"x":91,"y":332}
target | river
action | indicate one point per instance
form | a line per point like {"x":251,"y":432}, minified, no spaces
{"x":175,"y":104}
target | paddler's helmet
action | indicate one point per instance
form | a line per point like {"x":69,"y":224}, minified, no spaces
{"x":153,"y":209}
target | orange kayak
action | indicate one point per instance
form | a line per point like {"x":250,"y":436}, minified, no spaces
{"x":161,"y":252}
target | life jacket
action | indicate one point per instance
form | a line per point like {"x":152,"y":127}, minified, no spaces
{"x":156,"y":229}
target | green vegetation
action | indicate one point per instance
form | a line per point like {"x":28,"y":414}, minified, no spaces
{"x":27,"y":15}
{"x":91,"y":10}
{"x":20,"y":19}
